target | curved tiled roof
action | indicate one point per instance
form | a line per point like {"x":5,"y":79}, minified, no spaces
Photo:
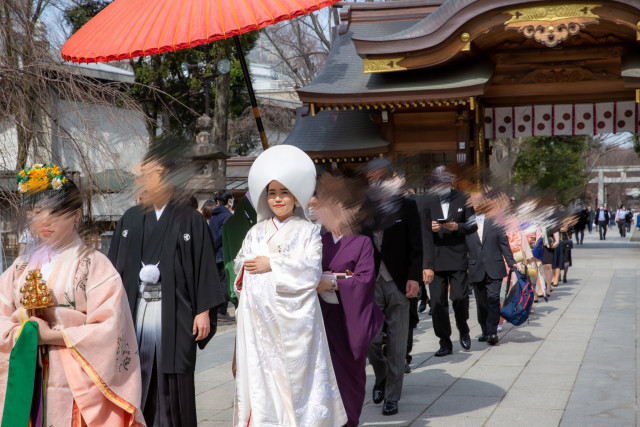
{"x":342,"y":74}
{"x":332,"y":131}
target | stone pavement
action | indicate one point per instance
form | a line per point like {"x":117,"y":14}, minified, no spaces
{"x":575,"y":363}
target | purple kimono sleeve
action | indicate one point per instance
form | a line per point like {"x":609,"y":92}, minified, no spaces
{"x":362,"y":316}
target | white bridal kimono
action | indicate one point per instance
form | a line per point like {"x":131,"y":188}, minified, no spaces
{"x":284,"y":371}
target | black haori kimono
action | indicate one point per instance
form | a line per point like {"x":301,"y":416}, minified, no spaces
{"x":180,"y":244}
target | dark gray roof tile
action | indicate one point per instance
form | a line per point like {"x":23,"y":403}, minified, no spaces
{"x":336,"y":130}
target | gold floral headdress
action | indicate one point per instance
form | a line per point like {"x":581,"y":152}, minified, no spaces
{"x":40,"y":177}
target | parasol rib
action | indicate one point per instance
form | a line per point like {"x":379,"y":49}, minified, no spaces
{"x":175,"y":33}
{"x":224,"y":32}
{"x":251,"y":13}
{"x":159,"y":49}
{"x":267,"y":12}
{"x":285,"y":9}
{"x":144,"y":46}
{"x":135,"y":42}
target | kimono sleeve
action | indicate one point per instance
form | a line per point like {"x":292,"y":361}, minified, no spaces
{"x":363,"y":318}
{"x":10,"y":321}
{"x":241,"y":257}
{"x":299,"y":272}
{"x":199,"y":257}
{"x":103,"y":344}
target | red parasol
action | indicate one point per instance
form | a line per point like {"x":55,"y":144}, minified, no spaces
{"x":127,"y":29}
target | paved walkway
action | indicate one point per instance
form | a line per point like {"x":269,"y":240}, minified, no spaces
{"x":575,"y":363}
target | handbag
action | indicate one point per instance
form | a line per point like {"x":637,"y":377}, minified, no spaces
{"x":567,"y":243}
{"x":519,"y":256}
{"x":536,"y":251}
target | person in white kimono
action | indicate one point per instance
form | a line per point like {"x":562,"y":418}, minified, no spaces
{"x":284,"y":374}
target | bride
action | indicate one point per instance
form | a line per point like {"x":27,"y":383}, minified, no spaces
{"x":284,"y":372}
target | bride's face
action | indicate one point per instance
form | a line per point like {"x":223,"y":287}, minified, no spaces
{"x":280,"y":200}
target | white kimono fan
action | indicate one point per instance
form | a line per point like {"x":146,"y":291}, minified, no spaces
{"x":284,"y":371}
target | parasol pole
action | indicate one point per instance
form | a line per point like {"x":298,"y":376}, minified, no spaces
{"x":252,"y":95}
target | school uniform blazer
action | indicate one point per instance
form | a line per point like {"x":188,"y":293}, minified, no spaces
{"x":450,"y":246}
{"x":485,"y":257}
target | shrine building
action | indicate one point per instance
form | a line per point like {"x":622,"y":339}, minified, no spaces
{"x":431,"y":83}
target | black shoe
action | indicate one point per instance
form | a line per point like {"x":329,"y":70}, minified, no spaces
{"x":443,"y":351}
{"x":407,"y":368}
{"x":492,"y":339}
{"x":422,"y":307}
{"x":429,"y":312}
{"x":483,"y":338}
{"x":465,"y":342}
{"x":390,"y":407}
{"x":226,"y":317}
{"x":378,"y":393}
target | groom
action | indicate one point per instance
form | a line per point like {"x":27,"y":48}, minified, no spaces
{"x":173,"y":299}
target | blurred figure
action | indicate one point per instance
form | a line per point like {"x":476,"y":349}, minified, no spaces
{"x":398,"y":265}
{"x":621,"y":220}
{"x":487,"y":248}
{"x":452,"y":219}
{"x":219,"y":217}
{"x":83,"y":324}
{"x":350,"y":315}
{"x":612,"y":218}
{"x":565,"y":247}
{"x":233,"y":233}
{"x":602,"y":217}
{"x":207,"y":207}
{"x":414,"y":308}
{"x":551,"y":240}
{"x":162,"y":249}
{"x":581,"y":223}
{"x":590,"y":216}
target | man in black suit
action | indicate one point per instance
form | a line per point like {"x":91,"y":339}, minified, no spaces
{"x":602,"y":218}
{"x":451,"y":219}
{"x":398,"y":261}
{"x":487,"y":247}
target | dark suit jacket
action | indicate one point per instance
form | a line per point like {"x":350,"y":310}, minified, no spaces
{"x":606,"y":215}
{"x":450,"y":246}
{"x":401,"y":248}
{"x":486,"y":257}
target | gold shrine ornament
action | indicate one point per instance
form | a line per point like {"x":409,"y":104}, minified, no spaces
{"x":382,"y":65}
{"x":551,"y":25}
{"x":35,"y":292}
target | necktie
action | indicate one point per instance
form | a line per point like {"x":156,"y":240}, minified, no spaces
{"x":480,"y":229}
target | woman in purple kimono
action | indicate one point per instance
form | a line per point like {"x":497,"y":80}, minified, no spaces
{"x":351,"y":317}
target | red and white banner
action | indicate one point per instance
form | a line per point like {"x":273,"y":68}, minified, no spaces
{"x":561,"y":119}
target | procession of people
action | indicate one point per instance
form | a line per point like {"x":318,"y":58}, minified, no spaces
{"x":115,"y":338}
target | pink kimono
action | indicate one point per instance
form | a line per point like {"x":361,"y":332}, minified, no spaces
{"x":95,"y":379}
